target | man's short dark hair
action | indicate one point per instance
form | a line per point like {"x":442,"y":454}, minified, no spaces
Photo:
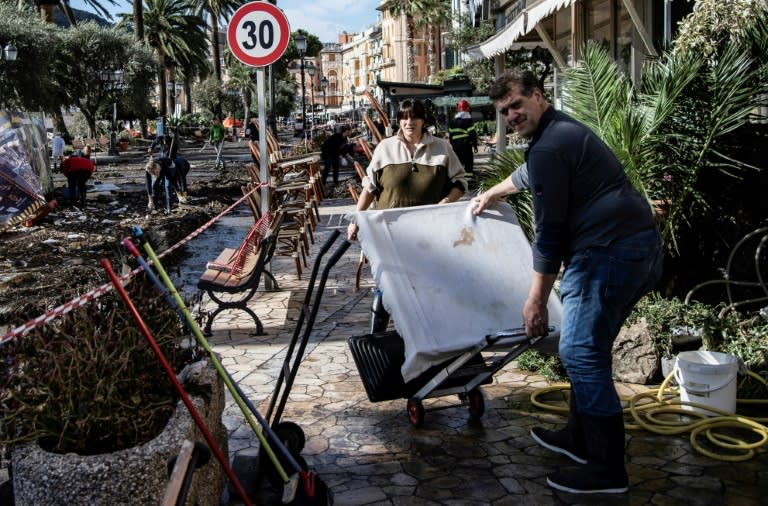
{"x":345,"y":128}
{"x":524,"y":79}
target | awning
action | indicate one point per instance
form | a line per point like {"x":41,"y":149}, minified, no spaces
{"x":544,"y":9}
{"x":500,"y":42}
{"x":524,"y":23}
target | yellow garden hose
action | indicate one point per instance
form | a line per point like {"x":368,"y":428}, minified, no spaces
{"x":648,"y":407}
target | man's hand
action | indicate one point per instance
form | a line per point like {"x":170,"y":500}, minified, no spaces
{"x":481,"y":202}
{"x":535,"y":318}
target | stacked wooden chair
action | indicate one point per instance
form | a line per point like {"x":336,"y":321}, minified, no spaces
{"x":292,"y":238}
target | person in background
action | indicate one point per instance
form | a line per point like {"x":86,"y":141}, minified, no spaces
{"x":78,"y":169}
{"x":168,"y":145}
{"x":252,"y":136}
{"x":591,"y":222}
{"x":158,"y":143}
{"x":461,"y":131}
{"x":411,"y":168}
{"x":57,"y":150}
{"x":166,"y":176}
{"x":216,"y":138}
{"x":334,"y":147}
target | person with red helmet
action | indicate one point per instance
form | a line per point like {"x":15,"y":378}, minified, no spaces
{"x":463,"y":137}
{"x":78,"y":169}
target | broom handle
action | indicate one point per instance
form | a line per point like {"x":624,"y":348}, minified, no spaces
{"x":176,"y":384}
{"x":168,"y":290}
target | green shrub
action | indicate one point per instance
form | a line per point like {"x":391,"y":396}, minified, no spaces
{"x":548,"y":366}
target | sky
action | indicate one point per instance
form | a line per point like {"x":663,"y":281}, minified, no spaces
{"x":323,"y":18}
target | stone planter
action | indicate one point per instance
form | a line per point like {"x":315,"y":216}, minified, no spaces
{"x":135,"y":476}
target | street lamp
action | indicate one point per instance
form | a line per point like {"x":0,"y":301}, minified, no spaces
{"x":352,"y":89}
{"x":10,"y":52}
{"x":301,"y":46}
{"x":311,"y":70}
{"x":324,"y":86}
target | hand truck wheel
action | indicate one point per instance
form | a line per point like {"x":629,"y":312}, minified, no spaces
{"x":291,"y":435}
{"x":476,"y":404}
{"x":415,"y":412}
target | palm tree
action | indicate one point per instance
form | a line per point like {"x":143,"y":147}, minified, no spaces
{"x":45,"y":8}
{"x":241,"y":78}
{"x":138,"y":20}
{"x":216,"y":9}
{"x":433,"y":14}
{"x":672,"y":132}
{"x":176,"y":35}
{"x":409,"y":9}
{"x":195,"y":70}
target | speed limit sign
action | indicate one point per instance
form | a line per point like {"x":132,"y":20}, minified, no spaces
{"x":258,"y":34}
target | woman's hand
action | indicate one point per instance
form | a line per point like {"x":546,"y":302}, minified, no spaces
{"x":352,"y":232}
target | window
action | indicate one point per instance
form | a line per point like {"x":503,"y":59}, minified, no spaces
{"x":598,"y":19}
{"x":608,"y":22}
{"x":562,"y":30}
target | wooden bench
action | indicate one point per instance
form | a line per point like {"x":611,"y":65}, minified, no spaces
{"x":239,"y":271}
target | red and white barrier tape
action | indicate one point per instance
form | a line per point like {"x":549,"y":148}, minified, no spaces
{"x":101,"y":290}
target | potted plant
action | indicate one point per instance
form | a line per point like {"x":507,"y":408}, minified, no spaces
{"x":86,"y":391}
{"x":123,"y":140}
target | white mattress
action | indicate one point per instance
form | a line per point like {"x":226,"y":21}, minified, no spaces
{"x":448,"y":278}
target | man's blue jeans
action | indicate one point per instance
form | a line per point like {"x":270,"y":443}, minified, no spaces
{"x":599,"y":288}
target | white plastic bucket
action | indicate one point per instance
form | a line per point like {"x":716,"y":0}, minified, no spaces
{"x":708,"y":378}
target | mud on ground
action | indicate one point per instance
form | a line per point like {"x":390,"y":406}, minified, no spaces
{"x":58,"y":259}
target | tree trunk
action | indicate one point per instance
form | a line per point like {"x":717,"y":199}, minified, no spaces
{"x":138,"y":20}
{"x":161,"y":83}
{"x":215,"y":53}
{"x":46,"y":12}
{"x":410,"y":57}
{"x":60,"y":126}
{"x":90,"y":119}
{"x":431,"y":51}
{"x":187,"y":96}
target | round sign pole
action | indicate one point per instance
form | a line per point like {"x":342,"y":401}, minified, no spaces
{"x":258,"y":35}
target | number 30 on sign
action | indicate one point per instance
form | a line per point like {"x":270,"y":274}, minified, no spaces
{"x":258,"y":34}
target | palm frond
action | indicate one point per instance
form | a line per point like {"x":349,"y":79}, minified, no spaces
{"x":500,"y":168}
{"x":597,"y":92}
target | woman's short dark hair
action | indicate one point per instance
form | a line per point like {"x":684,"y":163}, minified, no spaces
{"x":413,"y":109}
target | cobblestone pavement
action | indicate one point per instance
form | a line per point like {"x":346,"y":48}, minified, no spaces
{"x":368,"y":453}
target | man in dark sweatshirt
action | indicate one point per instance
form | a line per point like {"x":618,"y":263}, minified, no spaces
{"x":591,"y":221}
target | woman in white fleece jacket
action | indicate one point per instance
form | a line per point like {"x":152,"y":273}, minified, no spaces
{"x":411,"y":168}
